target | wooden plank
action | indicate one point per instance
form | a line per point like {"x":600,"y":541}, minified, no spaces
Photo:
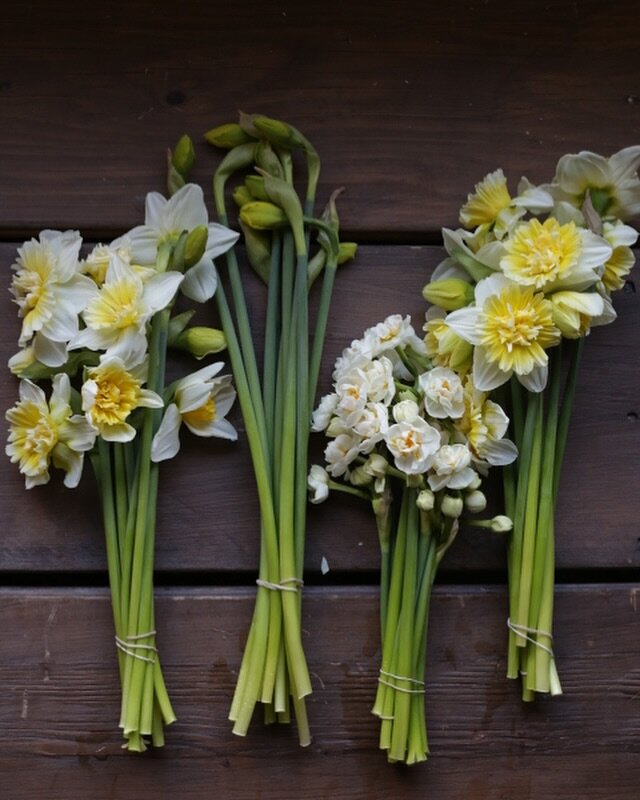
{"x":59,"y":701}
{"x":408,"y":106}
{"x":208,"y":513}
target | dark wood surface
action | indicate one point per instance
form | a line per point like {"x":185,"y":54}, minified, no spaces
{"x":409,"y":104}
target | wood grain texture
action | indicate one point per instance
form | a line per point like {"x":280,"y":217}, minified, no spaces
{"x":208,"y":507}
{"x":409,"y":104}
{"x":59,"y":701}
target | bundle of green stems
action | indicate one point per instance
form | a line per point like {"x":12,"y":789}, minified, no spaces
{"x":276,"y":402}
{"x":540,"y":423}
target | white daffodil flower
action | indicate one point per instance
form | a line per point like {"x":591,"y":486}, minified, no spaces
{"x":511,"y":326}
{"x":340,"y":452}
{"x":451,"y":468}
{"x":322,"y":414}
{"x":201,"y":402}
{"x":111,"y":391}
{"x":378,"y":375}
{"x":483,"y":426}
{"x":413,"y":445}
{"x":612,"y":182}
{"x":41,"y":433}
{"x":574,"y":312}
{"x":550,"y":256}
{"x":443,"y":393}
{"x":394,"y":331}
{"x":406,"y":411}
{"x":50,"y":292}
{"x":371,"y":426}
{"x":117,"y":313}
{"x":318,"y":483}
{"x":165,"y":220}
{"x":352,"y":397}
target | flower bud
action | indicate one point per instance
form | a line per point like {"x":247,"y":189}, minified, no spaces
{"x":258,"y":246}
{"x":476,"y":483}
{"x":360,"y":477}
{"x":406,"y":411}
{"x":255,"y":187}
{"x":376,"y":465}
{"x":242,"y":196}
{"x":318,"y":483}
{"x":426,"y":500}
{"x":475,"y":501}
{"x":347,"y":252}
{"x":267,"y":160}
{"x":451,"y":506}
{"x":178,"y":323}
{"x":263,"y":216}
{"x":450,"y":293}
{"x":335,"y":427}
{"x":227,"y":136}
{"x":199,"y":341}
{"x":195,"y":245}
{"x":279,"y":133}
{"x":183,"y":157}
{"x":501,"y":524}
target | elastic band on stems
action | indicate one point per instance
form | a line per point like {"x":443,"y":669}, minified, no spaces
{"x":281,"y":587}
{"x":415,"y":681}
{"x":130,"y":645}
{"x":523,"y":630}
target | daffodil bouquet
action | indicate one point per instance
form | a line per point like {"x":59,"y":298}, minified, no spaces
{"x":276,"y":401}
{"x":414,"y":439}
{"x":97,"y":330}
{"x":526,"y":279}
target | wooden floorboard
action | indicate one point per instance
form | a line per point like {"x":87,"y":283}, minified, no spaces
{"x":60,"y":698}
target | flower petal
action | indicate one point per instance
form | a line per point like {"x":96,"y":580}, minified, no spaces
{"x":487,"y":375}
{"x":536,"y":380}
{"x":49,"y":353}
{"x":220,"y":239}
{"x":159,"y":290}
{"x":166,"y":442}
{"x":200,"y":282}
{"x":464,"y":322}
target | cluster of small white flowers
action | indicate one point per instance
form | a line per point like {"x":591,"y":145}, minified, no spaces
{"x":390,"y":406}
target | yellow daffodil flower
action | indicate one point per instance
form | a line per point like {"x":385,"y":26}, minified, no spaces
{"x":50,"y":292}
{"x":41,"y":433}
{"x":117,"y":314}
{"x":511,"y":326}
{"x":201,"y":402}
{"x":110,"y":393}
{"x":621,"y":238}
{"x":484,"y":425}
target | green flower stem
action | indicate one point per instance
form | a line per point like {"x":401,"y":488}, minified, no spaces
{"x":321,"y":326}
{"x":536,"y":680}
{"x":271,"y":338}
{"x":577,"y":349}
{"x":516,"y":540}
{"x":303,"y":412}
{"x":530,"y":520}
{"x":121,"y":494}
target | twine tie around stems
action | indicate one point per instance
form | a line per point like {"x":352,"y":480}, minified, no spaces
{"x":523,"y":630}
{"x":385,"y":682}
{"x":282,"y":586}
{"x":131,"y":644}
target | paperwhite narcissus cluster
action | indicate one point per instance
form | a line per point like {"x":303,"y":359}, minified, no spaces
{"x":541,"y":266}
{"x":392,"y":413}
{"x":94,"y":315}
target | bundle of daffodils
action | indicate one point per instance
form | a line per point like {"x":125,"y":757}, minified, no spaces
{"x":414,"y":440}
{"x":277,"y":406}
{"x":97,"y":330}
{"x":525,"y":281}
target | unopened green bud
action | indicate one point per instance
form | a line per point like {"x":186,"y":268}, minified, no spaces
{"x":476,"y":483}
{"x":240,"y":157}
{"x":263,"y":216}
{"x":285,"y":196}
{"x":451,"y":506}
{"x":360,"y":477}
{"x":195,"y":245}
{"x":176,"y":260}
{"x":279,"y":133}
{"x":200,"y":341}
{"x":450,"y":293}
{"x":347,"y":252}
{"x":175,"y":180}
{"x":475,"y":501}
{"x":335,"y":427}
{"x":425,"y":500}
{"x":242,"y":196}
{"x":227,"y":136}
{"x":267,"y":159}
{"x":501,"y":524}
{"x":184,"y":156}
{"x":316,"y":265}
{"x":255,"y":187}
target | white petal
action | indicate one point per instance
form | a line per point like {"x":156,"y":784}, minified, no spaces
{"x":487,"y":375}
{"x":79,"y":434}
{"x":71,"y":462}
{"x":159,"y":290}
{"x":63,"y":324}
{"x":154,"y":206}
{"x":91,"y":339}
{"x":61,"y":391}
{"x":200,"y":282}
{"x":490,"y":287}
{"x":166,"y":442}
{"x":185,"y":210}
{"x":200,"y":375}
{"x":217,"y":427}
{"x":67,"y":247}
{"x":123,"y":432}
{"x":620,"y":235}
{"x":625,"y":163}
{"x":144,"y":244}
{"x":575,"y":172}
{"x":595,"y":251}
{"x":149,"y":399}
{"x":224,"y":400}
{"x":193,"y":396}
{"x":464,"y":322}
{"x":51,"y":354}
{"x":32,"y":393}
{"x":220,"y":240}
{"x":536,"y":380}
{"x":449,"y":268}
{"x":78,"y":291}
{"x":499,"y":453}
{"x":130,"y":347}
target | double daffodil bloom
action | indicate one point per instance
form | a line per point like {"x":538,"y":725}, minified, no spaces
{"x":511,"y":326}
{"x":50,"y":292}
{"x":165,"y":220}
{"x":117,"y":313}
{"x":612,"y":183}
{"x":201,"y":402}
{"x":110,"y":393}
{"x":41,"y":433}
